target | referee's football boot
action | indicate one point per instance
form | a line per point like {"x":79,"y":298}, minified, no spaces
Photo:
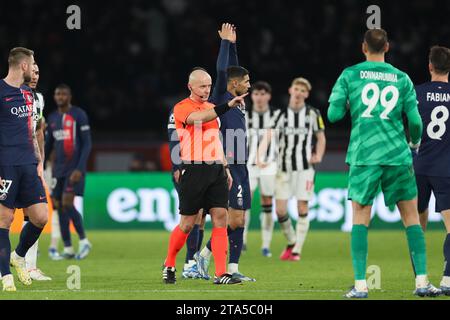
{"x":226,"y":278}
{"x":169,"y":276}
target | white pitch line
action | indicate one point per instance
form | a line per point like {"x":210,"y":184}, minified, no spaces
{"x":195,"y":291}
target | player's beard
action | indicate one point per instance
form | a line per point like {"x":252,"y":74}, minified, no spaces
{"x":26,"y":78}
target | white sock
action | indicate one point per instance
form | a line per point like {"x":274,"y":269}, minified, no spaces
{"x":84,"y":242}
{"x":445,"y":282}
{"x":421,"y":281}
{"x":206,"y":253}
{"x":56,"y":231}
{"x":31,"y":256}
{"x":69,"y":250}
{"x":266,"y":229}
{"x":247,"y":224}
{"x":288,"y":231}
{"x":302,"y":231}
{"x":233,"y":268}
{"x":361,"y":285}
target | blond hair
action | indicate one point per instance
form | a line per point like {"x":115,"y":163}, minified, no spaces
{"x":303,"y":82}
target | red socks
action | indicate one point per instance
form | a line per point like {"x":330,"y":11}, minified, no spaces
{"x":219,"y":247}
{"x":177,"y":240}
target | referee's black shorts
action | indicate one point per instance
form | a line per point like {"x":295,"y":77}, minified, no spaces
{"x":202,"y":185}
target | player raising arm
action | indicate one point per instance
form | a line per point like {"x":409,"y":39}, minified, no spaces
{"x":205,"y":178}
{"x":377,"y":95}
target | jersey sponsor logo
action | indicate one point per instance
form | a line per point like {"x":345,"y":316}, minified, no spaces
{"x":62,"y":134}
{"x":293,"y":131}
{"x":85,"y":128}
{"x":23,"y":111}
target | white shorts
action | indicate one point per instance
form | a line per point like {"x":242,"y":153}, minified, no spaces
{"x":264,"y":179}
{"x":298,"y":184}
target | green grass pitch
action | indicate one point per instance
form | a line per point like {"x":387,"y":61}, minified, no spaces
{"x":127,"y":265}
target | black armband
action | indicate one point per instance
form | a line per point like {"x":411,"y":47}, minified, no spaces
{"x":221,"y":109}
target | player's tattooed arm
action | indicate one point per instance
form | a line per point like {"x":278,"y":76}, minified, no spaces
{"x":40,"y":127}
{"x":37,"y":152}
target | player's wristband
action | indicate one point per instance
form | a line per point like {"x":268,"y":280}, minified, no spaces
{"x":221,"y":109}
{"x":414,"y":146}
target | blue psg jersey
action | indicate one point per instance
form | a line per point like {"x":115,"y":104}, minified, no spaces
{"x":70,"y":135}
{"x":16,"y":126}
{"x":433,"y":158}
{"x":233,"y":129}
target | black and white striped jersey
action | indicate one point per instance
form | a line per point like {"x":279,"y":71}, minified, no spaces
{"x":296,"y":130}
{"x":257,"y":126}
{"x":38,"y":108}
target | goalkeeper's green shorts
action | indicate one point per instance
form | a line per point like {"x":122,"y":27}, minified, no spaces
{"x":398,"y":183}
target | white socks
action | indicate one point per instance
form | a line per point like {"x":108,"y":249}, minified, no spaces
{"x":247,"y":224}
{"x":56,"y":231}
{"x":206,"y":253}
{"x":361,"y":285}
{"x":31,"y":256}
{"x":189,"y":264}
{"x":266,"y":229}
{"x":233,"y":268}
{"x":302,"y":231}
{"x":421,"y":281}
{"x":445,"y":281}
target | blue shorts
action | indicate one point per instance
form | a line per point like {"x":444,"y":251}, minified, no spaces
{"x":441,"y":190}
{"x":240,"y":195}
{"x":63,"y":185}
{"x":22,"y":187}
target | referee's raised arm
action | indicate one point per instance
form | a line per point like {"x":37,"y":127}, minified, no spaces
{"x":204,"y":178}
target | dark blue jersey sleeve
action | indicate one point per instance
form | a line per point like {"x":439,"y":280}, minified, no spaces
{"x":223,"y":58}
{"x":85,"y":140}
{"x":174,"y":143}
{"x":233,"y":60}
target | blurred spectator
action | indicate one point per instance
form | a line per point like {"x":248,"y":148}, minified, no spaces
{"x":129,"y":61}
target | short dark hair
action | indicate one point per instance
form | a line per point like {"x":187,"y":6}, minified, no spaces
{"x":376,"y":39}
{"x":63,"y":86}
{"x":236,"y":72}
{"x":16,"y":55}
{"x":262,"y":85}
{"x":440,"y":59}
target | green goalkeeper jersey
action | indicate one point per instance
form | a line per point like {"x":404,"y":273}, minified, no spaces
{"x":377,"y":95}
